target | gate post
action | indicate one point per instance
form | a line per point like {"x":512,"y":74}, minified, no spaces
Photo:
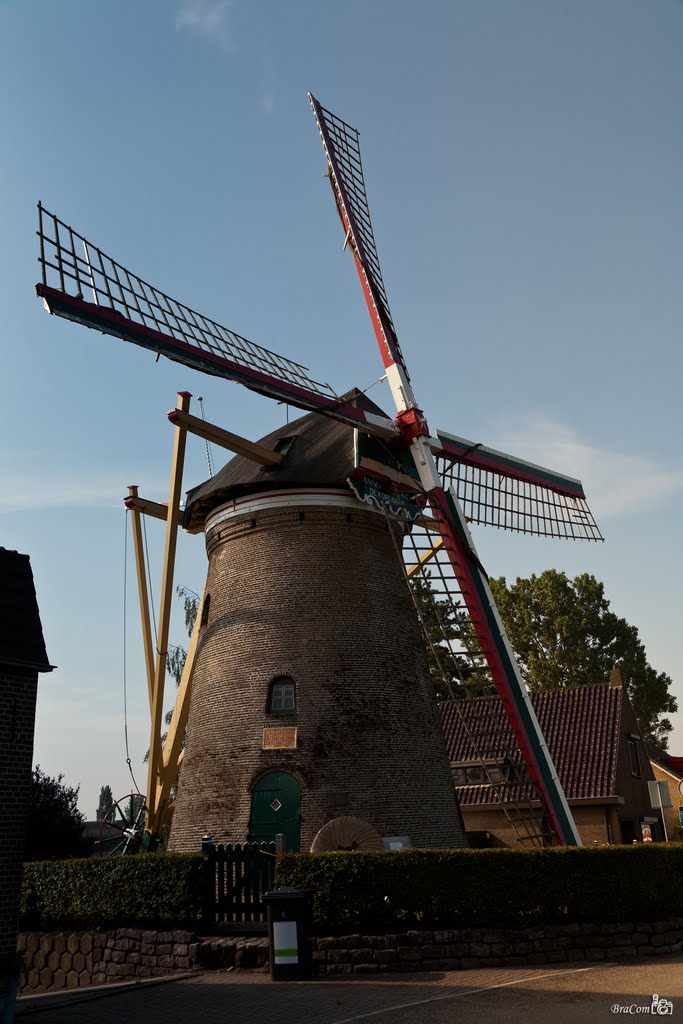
{"x":208,"y":909}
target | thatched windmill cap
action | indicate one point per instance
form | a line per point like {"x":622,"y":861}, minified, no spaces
{"x":321,"y":454}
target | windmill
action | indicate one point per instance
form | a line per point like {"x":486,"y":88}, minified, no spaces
{"x":430,"y":484}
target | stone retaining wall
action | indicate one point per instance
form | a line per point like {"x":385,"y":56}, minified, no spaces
{"x":60,"y":960}
{"x":453,"y":950}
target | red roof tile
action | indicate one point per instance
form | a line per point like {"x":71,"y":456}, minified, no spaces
{"x":580,"y":725}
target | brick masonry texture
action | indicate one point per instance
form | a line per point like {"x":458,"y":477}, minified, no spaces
{"x":316,"y":594}
{"x":17,"y":715}
{"x":58,"y":960}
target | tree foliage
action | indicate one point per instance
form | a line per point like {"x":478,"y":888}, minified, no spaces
{"x":448,"y":632}
{"x":54,"y":827}
{"x":175,"y":662}
{"x":564,"y":634}
{"x":106,"y":800}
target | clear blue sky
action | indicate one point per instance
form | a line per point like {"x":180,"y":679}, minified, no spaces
{"x":524,"y":165}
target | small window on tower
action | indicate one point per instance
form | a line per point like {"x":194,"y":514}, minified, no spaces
{"x":206,"y":606}
{"x":282,"y":696}
{"x":283,"y":444}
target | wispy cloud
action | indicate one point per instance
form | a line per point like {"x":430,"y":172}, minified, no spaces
{"x":210,"y":17}
{"x":267,"y":102}
{"x":616,"y":484}
{"x":23,"y":492}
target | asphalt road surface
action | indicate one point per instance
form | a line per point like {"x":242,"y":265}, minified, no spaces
{"x":535,"y":995}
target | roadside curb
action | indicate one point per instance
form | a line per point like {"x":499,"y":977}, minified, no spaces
{"x":48,"y":1000}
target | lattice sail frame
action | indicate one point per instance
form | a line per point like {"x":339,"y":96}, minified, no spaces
{"x":114,"y":287}
{"x":456,"y":652}
{"x":491,"y":499}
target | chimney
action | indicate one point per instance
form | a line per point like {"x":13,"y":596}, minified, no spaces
{"x":615,"y":677}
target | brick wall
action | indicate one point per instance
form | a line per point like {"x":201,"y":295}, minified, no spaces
{"x":17,"y":716}
{"x":596,"y":823}
{"x":670,"y":813}
{"x":318,"y":595}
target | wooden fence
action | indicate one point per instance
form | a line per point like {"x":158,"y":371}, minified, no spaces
{"x":238,"y":874}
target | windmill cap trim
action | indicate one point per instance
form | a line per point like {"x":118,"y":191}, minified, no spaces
{"x":313,"y":497}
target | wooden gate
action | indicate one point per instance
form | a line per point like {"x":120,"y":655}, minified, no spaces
{"x":237,"y":874}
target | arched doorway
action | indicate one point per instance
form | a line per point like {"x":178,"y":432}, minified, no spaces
{"x":276,"y":807}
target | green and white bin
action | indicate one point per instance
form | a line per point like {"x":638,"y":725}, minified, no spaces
{"x":290,"y":915}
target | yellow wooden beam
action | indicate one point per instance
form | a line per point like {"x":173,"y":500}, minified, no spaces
{"x":225,"y":438}
{"x":396,"y":476}
{"x":172,"y":753}
{"x":142,"y":589}
{"x":172,"y":523}
{"x":155,"y":509}
{"x":425,"y":558}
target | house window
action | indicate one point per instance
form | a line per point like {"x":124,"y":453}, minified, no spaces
{"x":634,"y":759}
{"x":283,"y":445}
{"x":478,"y":774}
{"x":282,"y":696}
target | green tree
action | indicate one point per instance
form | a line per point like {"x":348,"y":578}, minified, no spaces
{"x":564,"y":634}
{"x":175,"y":662}
{"x":452,"y":649}
{"x":106,"y":800}
{"x":54,"y":826}
{"x":136,"y":802}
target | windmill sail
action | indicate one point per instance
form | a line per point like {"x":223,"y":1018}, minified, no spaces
{"x":121,"y":304}
{"x":343,"y":156}
{"x":342,"y":149}
{"x":517,"y":496}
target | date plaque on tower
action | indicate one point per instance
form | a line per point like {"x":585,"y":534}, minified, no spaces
{"x":279,"y":738}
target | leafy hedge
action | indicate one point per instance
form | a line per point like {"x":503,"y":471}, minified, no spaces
{"x":497,"y":887}
{"x":154,"y":890}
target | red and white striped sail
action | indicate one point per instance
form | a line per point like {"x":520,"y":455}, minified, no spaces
{"x":341,"y":146}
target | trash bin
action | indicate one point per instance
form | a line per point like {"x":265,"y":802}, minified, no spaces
{"x":290,"y":913}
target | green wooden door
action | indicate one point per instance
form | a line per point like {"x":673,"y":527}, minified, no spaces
{"x":276,"y":807}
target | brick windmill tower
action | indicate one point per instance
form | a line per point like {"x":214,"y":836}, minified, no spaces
{"x":311,"y":697}
{"x":311,"y":702}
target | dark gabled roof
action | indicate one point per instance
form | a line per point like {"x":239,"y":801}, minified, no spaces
{"x":580,"y":725}
{"x":322,"y":455}
{"x":21,"y":634}
{"x":666,"y":760}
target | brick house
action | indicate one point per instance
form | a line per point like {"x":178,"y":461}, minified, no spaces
{"x":22,"y":657}
{"x":597,"y":748}
{"x":668,"y":769}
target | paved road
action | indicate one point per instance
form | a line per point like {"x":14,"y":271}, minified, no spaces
{"x":542,"y":995}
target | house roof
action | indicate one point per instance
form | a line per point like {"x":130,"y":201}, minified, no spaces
{"x":21,"y":633}
{"x":580,"y":725}
{"x":666,"y":760}
{"x":322,"y":455}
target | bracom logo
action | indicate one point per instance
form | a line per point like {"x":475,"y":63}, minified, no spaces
{"x":659,"y":1005}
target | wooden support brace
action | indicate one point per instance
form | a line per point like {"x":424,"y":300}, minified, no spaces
{"x":172,"y":523}
{"x":224,"y":438}
{"x":172,"y":754}
{"x":426,"y":557}
{"x":155,"y":509}
{"x":142,"y":588}
{"x":384,"y":472}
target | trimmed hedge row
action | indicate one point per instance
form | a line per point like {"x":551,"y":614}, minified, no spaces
{"x":149,"y":889}
{"x":496,"y":887}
